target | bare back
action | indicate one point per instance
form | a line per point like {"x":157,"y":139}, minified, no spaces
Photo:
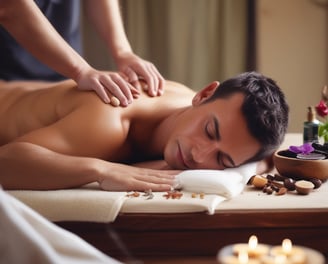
{"x":63,"y":119}
{"x":27,"y":106}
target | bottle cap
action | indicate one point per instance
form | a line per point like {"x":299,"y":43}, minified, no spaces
{"x":311,"y":114}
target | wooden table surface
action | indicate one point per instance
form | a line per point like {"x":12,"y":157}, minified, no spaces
{"x":170,"y":237}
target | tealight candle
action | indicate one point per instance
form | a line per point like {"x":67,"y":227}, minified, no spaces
{"x":253,"y":249}
{"x":242,"y":258}
{"x":294,"y":254}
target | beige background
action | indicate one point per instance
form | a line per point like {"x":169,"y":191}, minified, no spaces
{"x":293,"y":49}
{"x":292,"y":43}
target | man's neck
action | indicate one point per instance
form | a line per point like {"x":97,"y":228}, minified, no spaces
{"x":161,"y":133}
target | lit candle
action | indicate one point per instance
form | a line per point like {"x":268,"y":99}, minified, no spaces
{"x":252,"y":243}
{"x":253,"y":249}
{"x":242,"y":258}
{"x":294,"y":254}
{"x":287,"y":246}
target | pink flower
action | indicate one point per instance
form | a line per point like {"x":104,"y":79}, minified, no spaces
{"x":322,"y":109}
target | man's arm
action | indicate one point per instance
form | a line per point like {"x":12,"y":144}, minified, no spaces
{"x":29,"y":166}
{"x":66,"y":154}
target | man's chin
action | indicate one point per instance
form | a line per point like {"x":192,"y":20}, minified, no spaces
{"x":174,"y":164}
{"x":175,"y":161}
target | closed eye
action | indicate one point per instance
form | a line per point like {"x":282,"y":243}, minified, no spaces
{"x":212,"y":129}
{"x":208,"y":131}
{"x":225,"y":160}
{"x":213,"y":132}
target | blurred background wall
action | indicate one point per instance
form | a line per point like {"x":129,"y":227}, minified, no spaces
{"x":292,"y":47}
{"x":190,"y":41}
{"x":198,"y":41}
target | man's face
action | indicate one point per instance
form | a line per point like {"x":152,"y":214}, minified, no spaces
{"x":211,"y":136}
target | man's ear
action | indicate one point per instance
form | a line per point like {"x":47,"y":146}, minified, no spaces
{"x":205,"y":93}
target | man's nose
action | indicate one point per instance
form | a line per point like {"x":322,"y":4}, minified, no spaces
{"x":202,"y":152}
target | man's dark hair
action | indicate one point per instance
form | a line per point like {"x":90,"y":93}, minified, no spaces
{"x":264,"y":107}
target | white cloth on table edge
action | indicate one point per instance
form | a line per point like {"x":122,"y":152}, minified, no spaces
{"x":89,"y":203}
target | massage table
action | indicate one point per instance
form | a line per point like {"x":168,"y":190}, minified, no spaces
{"x":192,"y":228}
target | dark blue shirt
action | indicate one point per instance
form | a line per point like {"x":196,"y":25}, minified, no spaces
{"x":17,"y":64}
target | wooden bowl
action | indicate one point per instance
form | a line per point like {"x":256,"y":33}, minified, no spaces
{"x":298,"y":168}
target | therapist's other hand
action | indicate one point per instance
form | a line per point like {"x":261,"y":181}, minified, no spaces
{"x":136,"y":68}
{"x":106,"y":85}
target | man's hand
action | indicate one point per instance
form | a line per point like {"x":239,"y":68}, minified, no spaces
{"x":128,"y":178}
{"x":109,"y":86}
{"x":136,"y":68}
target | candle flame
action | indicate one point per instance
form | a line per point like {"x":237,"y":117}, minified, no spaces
{"x":287,"y":246}
{"x":252,"y":242}
{"x":243,"y":257}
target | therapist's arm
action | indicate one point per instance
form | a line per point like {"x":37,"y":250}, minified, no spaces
{"x":26,"y":23}
{"x":105,"y":15}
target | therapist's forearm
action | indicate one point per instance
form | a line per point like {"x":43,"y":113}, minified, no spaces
{"x":28,"y":166}
{"x":26,"y":23}
{"x":105,"y":15}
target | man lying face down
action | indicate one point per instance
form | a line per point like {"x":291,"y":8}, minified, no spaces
{"x":54,"y":136}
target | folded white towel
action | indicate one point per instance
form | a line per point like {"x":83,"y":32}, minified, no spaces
{"x":228,"y":183}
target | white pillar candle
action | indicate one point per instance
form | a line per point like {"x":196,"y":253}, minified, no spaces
{"x":253,"y":249}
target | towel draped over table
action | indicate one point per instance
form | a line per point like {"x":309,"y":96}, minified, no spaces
{"x":89,"y":203}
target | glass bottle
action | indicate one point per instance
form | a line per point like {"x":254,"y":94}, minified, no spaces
{"x":311,"y":127}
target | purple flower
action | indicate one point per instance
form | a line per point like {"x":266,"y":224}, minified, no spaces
{"x":303,"y":149}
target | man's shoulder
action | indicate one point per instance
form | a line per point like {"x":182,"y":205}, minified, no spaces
{"x":177,"y":94}
{"x":177,"y":87}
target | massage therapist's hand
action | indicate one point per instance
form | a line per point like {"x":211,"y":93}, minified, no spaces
{"x":122,"y":177}
{"x":136,"y":68}
{"x":106,"y":83}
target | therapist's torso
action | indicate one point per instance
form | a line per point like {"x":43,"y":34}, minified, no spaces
{"x":17,"y":64}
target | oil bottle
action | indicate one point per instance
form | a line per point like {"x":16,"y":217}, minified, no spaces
{"x":311,"y":127}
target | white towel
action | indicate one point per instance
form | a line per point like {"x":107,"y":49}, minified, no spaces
{"x":87,"y":203}
{"x":27,"y":237}
{"x":92,"y":204}
{"x":228,"y":183}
